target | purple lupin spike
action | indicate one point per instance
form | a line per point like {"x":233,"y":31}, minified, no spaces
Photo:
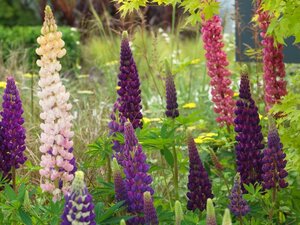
{"x":149,"y":210}
{"x":79,"y":207}
{"x":198,"y":182}
{"x":249,"y":137}
{"x":137,"y":180}
{"x":120,"y":189}
{"x":274,"y":162}
{"x":12,"y":132}
{"x":238,"y":206}
{"x":171,"y":98}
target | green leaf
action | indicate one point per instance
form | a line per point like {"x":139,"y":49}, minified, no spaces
{"x":25,"y":217}
{"x":168,"y":156}
{"x":10,"y":193}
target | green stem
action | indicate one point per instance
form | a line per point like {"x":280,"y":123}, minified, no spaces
{"x":240,"y":220}
{"x":225,"y":182}
{"x":175,"y":173}
{"x":109,"y":170}
{"x":13,"y":171}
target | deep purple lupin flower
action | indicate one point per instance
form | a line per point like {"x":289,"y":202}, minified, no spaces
{"x":238,"y":206}
{"x":79,"y":207}
{"x":129,"y":93}
{"x":274,"y":162}
{"x":198,"y":182}
{"x":249,"y":137}
{"x":12,"y":132}
{"x":149,"y":210}
{"x":171,"y":98}
{"x":137,"y":180}
{"x":120,"y":189}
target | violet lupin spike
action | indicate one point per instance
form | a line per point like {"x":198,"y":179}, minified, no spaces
{"x":79,"y":207}
{"x":129,"y":99}
{"x":238,"y":206}
{"x":12,"y":132}
{"x":249,"y":137}
{"x":120,"y":189}
{"x":273,"y":161}
{"x":149,"y":210}
{"x":137,"y":180}
{"x":171,"y":96}
{"x":198,"y":182}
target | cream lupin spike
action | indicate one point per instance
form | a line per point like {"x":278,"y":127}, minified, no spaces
{"x":58,"y":163}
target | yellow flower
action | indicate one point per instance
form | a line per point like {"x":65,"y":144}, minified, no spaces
{"x":209,"y":134}
{"x":195,"y":61}
{"x":146,"y":120}
{"x":190,"y":105}
{"x":205,"y":137}
{"x":198,"y":140}
{"x":2,"y":84}
{"x":29,"y":75}
{"x":235,"y":94}
{"x":118,"y":87}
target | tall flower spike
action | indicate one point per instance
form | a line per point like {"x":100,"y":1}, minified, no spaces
{"x":226,"y":218}
{"x":249,"y":137}
{"x":58,"y":163}
{"x":274,"y":172}
{"x":79,"y":208}
{"x":198,"y":182}
{"x":178,"y":213}
{"x":216,"y":63}
{"x":274,"y":71}
{"x":120,"y":189}
{"x":238,"y":206}
{"x":12,"y":132}
{"x":149,"y":210}
{"x":129,"y":93}
{"x":211,"y":215}
{"x":137,"y":180}
{"x":171,"y":98}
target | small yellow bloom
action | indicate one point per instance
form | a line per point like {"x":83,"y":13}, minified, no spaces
{"x":209,"y":134}
{"x":190,"y":105}
{"x":118,"y":87}
{"x":195,"y":61}
{"x":146,"y":120}
{"x":2,"y":84}
{"x":235,"y":94}
{"x":198,"y":140}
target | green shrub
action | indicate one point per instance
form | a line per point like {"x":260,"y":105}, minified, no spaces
{"x":24,"y":38}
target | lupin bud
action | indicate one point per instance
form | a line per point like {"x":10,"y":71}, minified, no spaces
{"x":216,"y":161}
{"x":120,"y":189}
{"x":210,"y":213}
{"x":226,"y":218}
{"x":171,"y":98}
{"x":149,"y":210}
{"x":178,"y":213}
{"x":122,"y":222}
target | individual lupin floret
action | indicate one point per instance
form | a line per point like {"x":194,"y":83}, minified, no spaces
{"x":226,"y":218}
{"x":120,"y":189}
{"x":216,"y":63}
{"x":178,"y":213}
{"x":238,"y":206}
{"x":12,"y":132}
{"x":273,"y":161}
{"x":198,"y":182}
{"x":171,"y":98}
{"x":58,"y":163}
{"x":249,"y":137}
{"x":79,"y":207}
{"x":137,"y":180}
{"x":210,"y":213}
{"x":149,"y":210}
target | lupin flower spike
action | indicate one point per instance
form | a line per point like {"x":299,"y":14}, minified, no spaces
{"x":12,"y":132}
{"x":178,"y":213}
{"x":274,"y":162}
{"x":226,"y":218}
{"x":198,"y":182}
{"x":79,"y":208}
{"x":58,"y":162}
{"x":238,"y":206}
{"x":120,"y":189}
{"x":216,"y":63}
{"x":171,"y":95}
{"x":149,"y":210}
{"x":210,"y":213}
{"x":137,"y":180}
{"x":249,"y":137}
{"x":274,"y":69}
